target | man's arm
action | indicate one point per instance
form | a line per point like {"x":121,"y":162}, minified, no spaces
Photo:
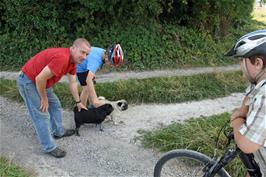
{"x":91,"y":90}
{"x":41,"y":81}
{"x":73,"y":87}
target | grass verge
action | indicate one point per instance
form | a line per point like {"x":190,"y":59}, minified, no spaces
{"x":259,"y":14}
{"x":196,"y":134}
{"x":153,"y":90}
{"x":11,"y":169}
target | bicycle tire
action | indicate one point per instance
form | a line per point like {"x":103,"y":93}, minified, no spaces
{"x":177,"y":165}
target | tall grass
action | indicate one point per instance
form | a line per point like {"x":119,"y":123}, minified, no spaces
{"x":196,"y":134}
{"x":10,"y":169}
{"x":153,"y":90}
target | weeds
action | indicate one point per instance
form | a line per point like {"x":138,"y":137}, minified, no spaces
{"x":10,"y":169}
{"x":196,"y":134}
{"x":153,"y":90}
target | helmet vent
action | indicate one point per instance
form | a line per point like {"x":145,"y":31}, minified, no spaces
{"x":241,"y":43}
{"x":257,"y":37}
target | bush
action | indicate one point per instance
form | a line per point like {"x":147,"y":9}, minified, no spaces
{"x":215,"y":17}
{"x":153,"y":34}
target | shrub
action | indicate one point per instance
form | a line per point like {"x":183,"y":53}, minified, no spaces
{"x":154,"y":34}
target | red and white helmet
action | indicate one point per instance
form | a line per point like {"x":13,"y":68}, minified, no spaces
{"x":115,"y":54}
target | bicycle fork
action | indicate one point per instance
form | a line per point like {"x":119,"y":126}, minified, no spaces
{"x":213,"y":169}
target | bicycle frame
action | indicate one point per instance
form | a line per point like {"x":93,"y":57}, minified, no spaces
{"x":250,"y":164}
{"x":247,"y":159}
{"x":207,"y":166}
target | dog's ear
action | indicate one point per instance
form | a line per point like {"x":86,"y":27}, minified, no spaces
{"x":110,"y":108}
{"x":119,"y":103}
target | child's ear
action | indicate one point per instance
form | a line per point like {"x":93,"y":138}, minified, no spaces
{"x":259,"y":63}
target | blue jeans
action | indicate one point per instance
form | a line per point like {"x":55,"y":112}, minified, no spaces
{"x":48,"y":123}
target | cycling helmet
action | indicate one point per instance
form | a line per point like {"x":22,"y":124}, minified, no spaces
{"x":115,"y":54}
{"x":251,"y":44}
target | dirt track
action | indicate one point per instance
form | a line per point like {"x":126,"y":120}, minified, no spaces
{"x":95,"y":153}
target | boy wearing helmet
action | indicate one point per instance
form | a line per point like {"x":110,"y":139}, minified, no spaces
{"x":249,"y":122}
{"x":112,"y":56}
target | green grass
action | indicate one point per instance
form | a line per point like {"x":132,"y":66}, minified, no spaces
{"x":11,"y":169}
{"x":167,"y":90}
{"x":259,"y":14}
{"x":153,"y":90}
{"x":196,"y":134}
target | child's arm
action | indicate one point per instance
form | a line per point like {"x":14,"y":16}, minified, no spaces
{"x":238,"y":118}
{"x":242,"y":111}
{"x":242,"y":142}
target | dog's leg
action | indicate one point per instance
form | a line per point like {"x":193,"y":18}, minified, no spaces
{"x":113,"y":118}
{"x":100,"y":126}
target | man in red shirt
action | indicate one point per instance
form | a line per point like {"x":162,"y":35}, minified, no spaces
{"x":35,"y":83}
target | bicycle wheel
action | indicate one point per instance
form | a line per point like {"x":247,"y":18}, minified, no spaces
{"x":184,"y":163}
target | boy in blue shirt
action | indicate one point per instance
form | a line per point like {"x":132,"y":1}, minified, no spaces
{"x":112,"y":56}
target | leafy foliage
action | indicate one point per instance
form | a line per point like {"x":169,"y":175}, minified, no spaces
{"x":194,"y":13}
{"x":154,"y":34}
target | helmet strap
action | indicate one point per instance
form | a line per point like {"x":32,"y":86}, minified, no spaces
{"x":247,"y":73}
{"x":260,"y":74}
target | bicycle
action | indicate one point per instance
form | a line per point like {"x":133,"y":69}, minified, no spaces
{"x":193,"y":164}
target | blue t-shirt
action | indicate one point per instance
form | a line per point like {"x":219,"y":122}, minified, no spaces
{"x":93,"y":61}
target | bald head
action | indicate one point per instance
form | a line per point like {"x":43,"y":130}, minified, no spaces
{"x":79,"y":41}
{"x":79,"y":50}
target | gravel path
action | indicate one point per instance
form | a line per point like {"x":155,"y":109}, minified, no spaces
{"x":115,"y":76}
{"x":102,"y":154}
{"x":95,"y":153}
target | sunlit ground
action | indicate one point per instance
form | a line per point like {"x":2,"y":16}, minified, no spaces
{"x":259,"y":14}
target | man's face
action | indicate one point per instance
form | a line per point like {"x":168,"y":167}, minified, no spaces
{"x":80,"y":52}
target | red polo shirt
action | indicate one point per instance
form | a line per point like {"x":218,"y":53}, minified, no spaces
{"x":58,"y":61}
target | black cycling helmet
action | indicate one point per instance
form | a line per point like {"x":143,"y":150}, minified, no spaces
{"x":251,"y":44}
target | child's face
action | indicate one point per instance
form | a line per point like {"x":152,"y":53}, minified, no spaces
{"x":250,"y":69}
{"x":244,"y":68}
{"x":106,"y":61}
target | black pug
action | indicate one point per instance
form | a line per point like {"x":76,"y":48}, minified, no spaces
{"x":92,"y":115}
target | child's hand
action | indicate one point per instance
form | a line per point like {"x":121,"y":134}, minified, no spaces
{"x":241,"y":112}
{"x":237,"y":122}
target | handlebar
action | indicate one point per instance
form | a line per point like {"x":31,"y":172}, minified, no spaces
{"x":230,"y":136}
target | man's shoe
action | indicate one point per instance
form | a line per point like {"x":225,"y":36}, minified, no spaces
{"x":57,"y":152}
{"x":68,"y":132}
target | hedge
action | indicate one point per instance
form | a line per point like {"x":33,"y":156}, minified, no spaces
{"x":153,"y":34}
